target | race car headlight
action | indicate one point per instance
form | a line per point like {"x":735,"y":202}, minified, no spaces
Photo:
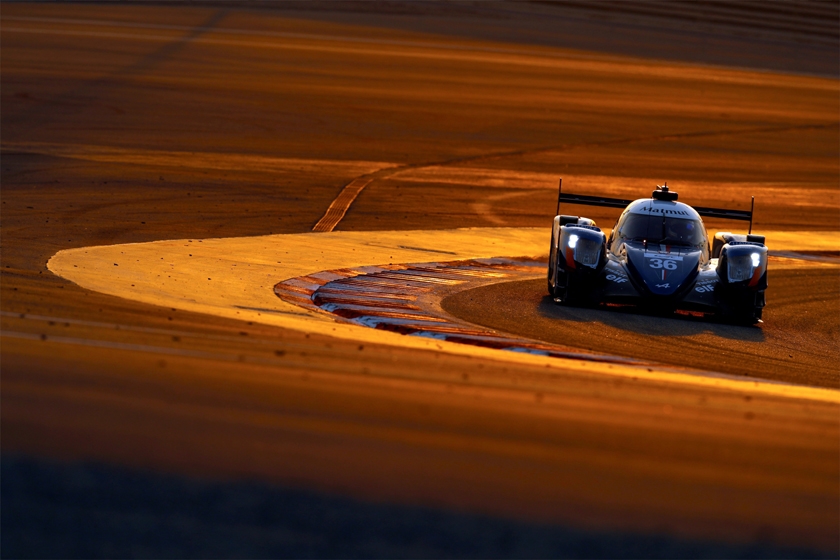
{"x":581,"y":246}
{"x":743,"y":264}
{"x":744,"y":267}
{"x":587,"y":251}
{"x":740,"y":267}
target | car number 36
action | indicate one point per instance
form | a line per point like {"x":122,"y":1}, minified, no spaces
{"x":667,"y":264}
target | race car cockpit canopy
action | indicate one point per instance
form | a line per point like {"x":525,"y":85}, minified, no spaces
{"x":659,"y":221}
{"x":679,"y":232}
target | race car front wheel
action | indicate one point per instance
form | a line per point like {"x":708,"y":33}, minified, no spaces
{"x":745,"y":307}
{"x":552,"y":265}
{"x":574,"y":290}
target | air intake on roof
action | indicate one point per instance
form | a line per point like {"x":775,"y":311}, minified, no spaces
{"x":662,"y":193}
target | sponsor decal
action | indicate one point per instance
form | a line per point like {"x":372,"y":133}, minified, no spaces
{"x":663,"y":256}
{"x":616,"y":278}
{"x":666,"y":285}
{"x":663,"y":211}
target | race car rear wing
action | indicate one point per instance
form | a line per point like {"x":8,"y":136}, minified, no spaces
{"x":621,"y":203}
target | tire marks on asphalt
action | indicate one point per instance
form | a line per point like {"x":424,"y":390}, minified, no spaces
{"x":339,"y":207}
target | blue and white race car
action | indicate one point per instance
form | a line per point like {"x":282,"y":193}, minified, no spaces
{"x":658,"y":256}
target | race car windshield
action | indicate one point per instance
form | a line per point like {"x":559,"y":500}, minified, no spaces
{"x":660,"y":229}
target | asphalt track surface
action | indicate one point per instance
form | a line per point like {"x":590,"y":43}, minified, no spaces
{"x":795,"y":344}
{"x":125,"y":124}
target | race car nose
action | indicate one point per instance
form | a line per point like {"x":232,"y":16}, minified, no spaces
{"x":662,"y":273}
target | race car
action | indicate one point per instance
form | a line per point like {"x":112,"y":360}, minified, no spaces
{"x":658,"y":256}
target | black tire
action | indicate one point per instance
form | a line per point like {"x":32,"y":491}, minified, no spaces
{"x":561,"y":287}
{"x":574,"y":292}
{"x":552,"y":263}
{"x":745,"y":308}
{"x":748,"y":317}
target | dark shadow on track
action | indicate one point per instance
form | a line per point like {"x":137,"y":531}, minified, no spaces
{"x":797,"y":343}
{"x":92,"y":510}
{"x":650,"y":323}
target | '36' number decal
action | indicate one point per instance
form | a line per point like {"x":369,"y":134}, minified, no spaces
{"x":667,"y":264}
